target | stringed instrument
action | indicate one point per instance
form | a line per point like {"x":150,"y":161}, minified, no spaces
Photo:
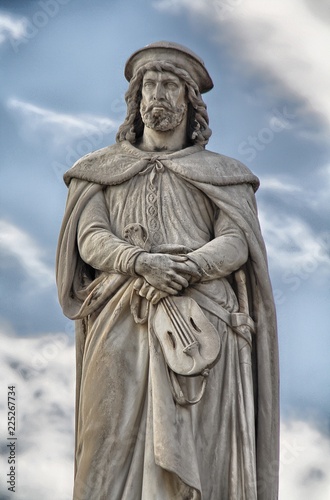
{"x":190,"y":343}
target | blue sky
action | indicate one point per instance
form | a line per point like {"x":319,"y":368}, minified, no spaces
{"x":62,"y":95}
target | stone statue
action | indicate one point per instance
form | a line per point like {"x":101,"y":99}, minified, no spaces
{"x":163,"y":267}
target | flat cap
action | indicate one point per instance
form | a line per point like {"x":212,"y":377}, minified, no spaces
{"x":171,"y":52}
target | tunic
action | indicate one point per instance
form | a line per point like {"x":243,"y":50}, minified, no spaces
{"x":117,"y":445}
{"x":133,"y":440}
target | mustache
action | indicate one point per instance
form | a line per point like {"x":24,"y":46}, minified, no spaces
{"x":164,"y":104}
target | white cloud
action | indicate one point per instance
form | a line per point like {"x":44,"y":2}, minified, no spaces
{"x":273,"y":184}
{"x":306,"y":192}
{"x":60,"y":127}
{"x":42,"y":369}
{"x":292,"y":245}
{"x":305,"y":462}
{"x":288,"y":42}
{"x":11,"y":28}
{"x":18,"y":243}
{"x":295,"y":246}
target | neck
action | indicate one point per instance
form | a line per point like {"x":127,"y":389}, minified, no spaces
{"x":170,"y":140}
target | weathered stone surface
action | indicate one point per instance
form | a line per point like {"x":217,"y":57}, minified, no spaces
{"x":163,"y":267}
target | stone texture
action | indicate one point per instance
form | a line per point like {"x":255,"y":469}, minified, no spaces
{"x":162,"y":265}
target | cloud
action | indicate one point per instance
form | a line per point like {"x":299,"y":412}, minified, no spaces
{"x":321,"y":198}
{"x":19,"y":244}
{"x":294,"y":224}
{"x":293,"y":247}
{"x":60,"y":128}
{"x":42,"y":370}
{"x":286,"y":42}
{"x":279,"y":186}
{"x":302,"y":194}
{"x":305,"y":462}
{"x":11,"y":28}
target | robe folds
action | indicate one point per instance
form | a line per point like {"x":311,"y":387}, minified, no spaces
{"x":133,"y":441}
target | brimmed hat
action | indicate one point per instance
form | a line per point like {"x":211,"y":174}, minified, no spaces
{"x":174,"y":53}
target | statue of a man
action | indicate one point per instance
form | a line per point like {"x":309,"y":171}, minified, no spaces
{"x":163,"y":267}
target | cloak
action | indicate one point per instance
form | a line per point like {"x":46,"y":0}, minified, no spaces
{"x":231,"y":186}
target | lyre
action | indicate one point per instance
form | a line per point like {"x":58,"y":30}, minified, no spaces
{"x":189,"y":341}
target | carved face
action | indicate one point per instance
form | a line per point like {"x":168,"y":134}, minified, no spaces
{"x":164,"y":104}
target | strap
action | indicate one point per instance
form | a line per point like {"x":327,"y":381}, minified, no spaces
{"x":177,"y":392}
{"x":136,"y":303}
{"x":234,"y":320}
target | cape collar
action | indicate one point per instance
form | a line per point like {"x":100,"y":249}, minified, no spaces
{"x":159,"y":155}
{"x":118,"y":163}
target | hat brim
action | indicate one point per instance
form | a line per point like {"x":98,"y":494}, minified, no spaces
{"x":173,"y":53}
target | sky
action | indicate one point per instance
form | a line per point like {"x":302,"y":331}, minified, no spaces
{"x":62,"y":95}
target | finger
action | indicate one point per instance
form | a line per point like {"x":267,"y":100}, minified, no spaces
{"x":194,"y":273}
{"x":178,"y":258}
{"x":192,"y":270}
{"x":138,"y":283}
{"x":168,"y":289}
{"x":175,"y":285}
{"x":158,"y":296}
{"x":172,"y":291}
{"x":150,"y":293}
{"x":184,"y":267}
{"x":144,"y":290}
{"x":178,"y":281}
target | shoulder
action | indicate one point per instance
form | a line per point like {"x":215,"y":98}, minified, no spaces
{"x":89,"y":166}
{"x":222,"y":163}
{"x":208,"y":166}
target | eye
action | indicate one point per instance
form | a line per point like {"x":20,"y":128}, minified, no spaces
{"x":148,"y":85}
{"x":171,"y":85}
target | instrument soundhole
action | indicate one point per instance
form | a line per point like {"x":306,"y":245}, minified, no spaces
{"x":195,"y":327}
{"x":172,"y":339}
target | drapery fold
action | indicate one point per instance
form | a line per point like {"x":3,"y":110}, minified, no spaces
{"x":105,"y":326}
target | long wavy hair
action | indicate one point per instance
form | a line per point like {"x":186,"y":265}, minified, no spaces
{"x":198,"y":131}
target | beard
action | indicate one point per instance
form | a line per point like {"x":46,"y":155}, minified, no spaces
{"x":167,"y":118}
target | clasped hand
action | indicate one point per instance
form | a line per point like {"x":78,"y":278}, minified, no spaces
{"x":164,"y":275}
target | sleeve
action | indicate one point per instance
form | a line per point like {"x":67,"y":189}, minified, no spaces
{"x":226,"y":253}
{"x":98,"y":246}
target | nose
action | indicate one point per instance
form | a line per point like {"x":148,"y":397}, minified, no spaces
{"x":159,"y":91}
